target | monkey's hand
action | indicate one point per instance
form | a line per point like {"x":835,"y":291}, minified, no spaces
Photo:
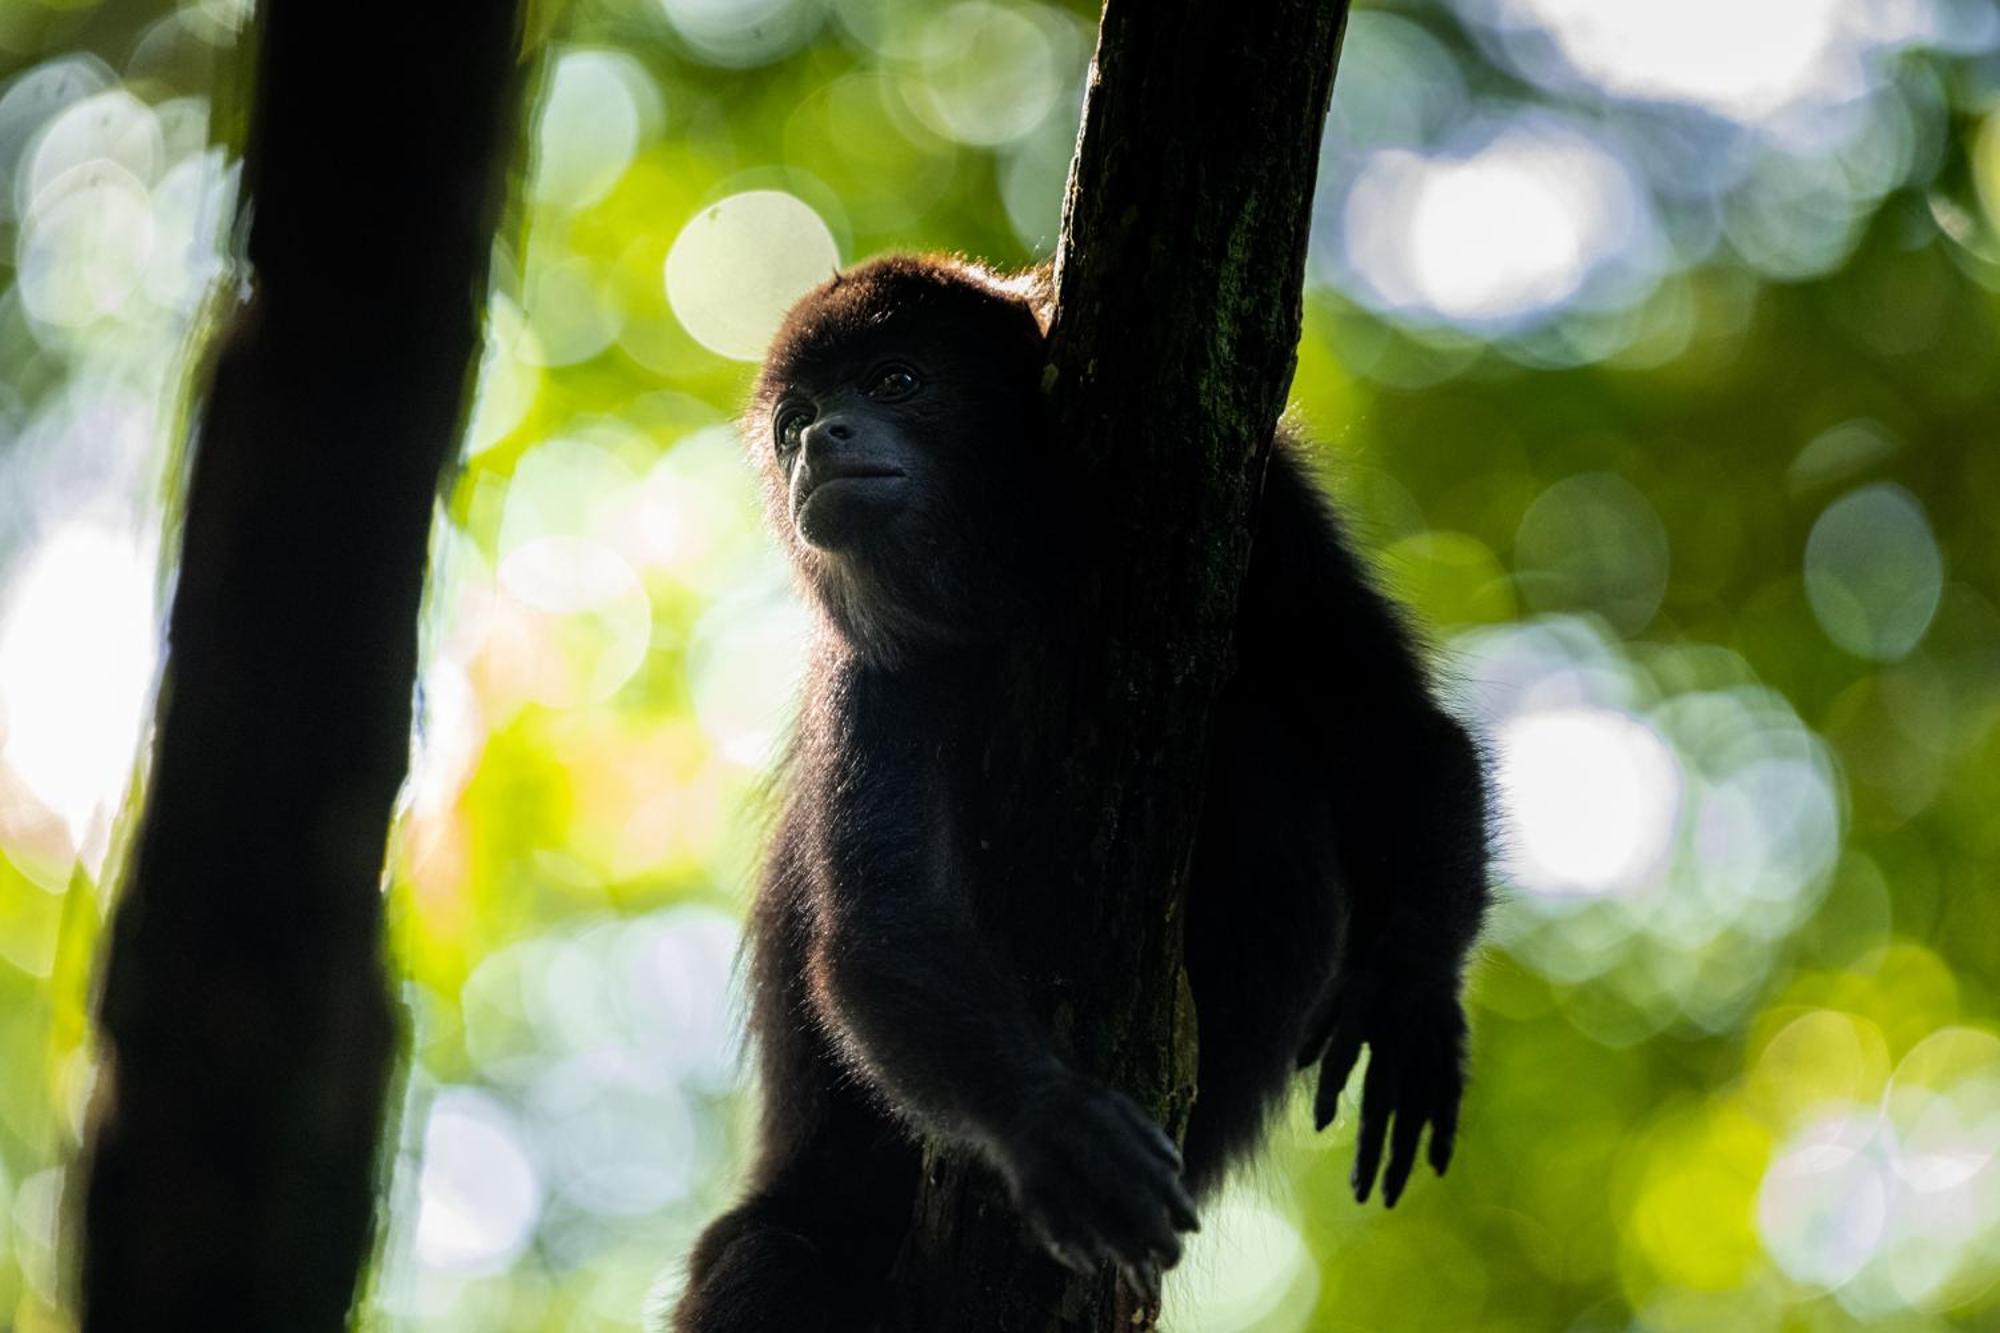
{"x":1098,"y":1181}
{"x":1415,"y":1033}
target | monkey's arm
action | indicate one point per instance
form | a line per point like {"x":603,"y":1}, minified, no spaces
{"x":1409,"y":803}
{"x":922,"y":1007}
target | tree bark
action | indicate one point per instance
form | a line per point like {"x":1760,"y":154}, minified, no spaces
{"x":1177,"y":322}
{"x":248,"y":1034}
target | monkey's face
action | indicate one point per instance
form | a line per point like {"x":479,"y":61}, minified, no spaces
{"x":846,"y":441}
{"x":898,"y":424}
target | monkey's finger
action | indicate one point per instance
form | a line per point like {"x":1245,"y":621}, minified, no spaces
{"x":1403,"y":1147}
{"x":1159,"y":1241}
{"x":1143,"y":1279}
{"x":1135,"y":1221}
{"x":1375,"y":1109}
{"x":1444,"y":1129}
{"x":1341,"y":1053}
{"x":1180,"y":1207}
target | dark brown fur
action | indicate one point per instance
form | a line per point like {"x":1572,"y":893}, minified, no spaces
{"x":1337,"y":884}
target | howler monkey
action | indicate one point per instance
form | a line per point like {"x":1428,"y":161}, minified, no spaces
{"x":1338,"y":878}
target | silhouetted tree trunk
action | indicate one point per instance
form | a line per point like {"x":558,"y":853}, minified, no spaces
{"x":248,"y":1032}
{"x":1178,"y":312}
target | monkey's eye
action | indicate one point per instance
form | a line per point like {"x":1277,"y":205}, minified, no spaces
{"x":791,"y":427}
{"x":886,"y":384}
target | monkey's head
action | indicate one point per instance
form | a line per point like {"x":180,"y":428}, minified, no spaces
{"x":899,"y":429}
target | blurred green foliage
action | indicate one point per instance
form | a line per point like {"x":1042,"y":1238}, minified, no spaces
{"x":1652,"y":350}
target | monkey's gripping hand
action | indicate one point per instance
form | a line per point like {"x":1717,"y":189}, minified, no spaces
{"x":1414,"y":1029}
{"x":1098,"y":1181}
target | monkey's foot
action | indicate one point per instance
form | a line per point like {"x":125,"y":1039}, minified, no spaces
{"x":1415,"y":1033}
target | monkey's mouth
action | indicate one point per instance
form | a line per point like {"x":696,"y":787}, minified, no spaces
{"x":839,"y":507}
{"x":843,"y":477}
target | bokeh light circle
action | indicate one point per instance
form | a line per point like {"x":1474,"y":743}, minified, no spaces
{"x":87,"y":244}
{"x":32,"y":100}
{"x":741,"y":34}
{"x":989,"y":74}
{"x":589,"y":126}
{"x":582,"y":616}
{"x":739,"y":264}
{"x":1781,"y":54}
{"x":1664,"y":841}
{"x":1518,"y":223}
{"x":479,"y":1194}
{"x":1823,"y":1208}
{"x":1874,"y":574}
{"x":78,"y":645}
{"x":1592,"y":798}
{"x":1247,"y":1269}
{"x":112,"y":126}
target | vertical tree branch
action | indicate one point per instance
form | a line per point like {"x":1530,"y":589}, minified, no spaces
{"x":1177,"y":322}
{"x":248,"y":1033}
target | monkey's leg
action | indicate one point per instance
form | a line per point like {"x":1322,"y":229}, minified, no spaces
{"x":1414,"y":859}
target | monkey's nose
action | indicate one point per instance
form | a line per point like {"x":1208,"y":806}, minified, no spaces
{"x":828,"y":430}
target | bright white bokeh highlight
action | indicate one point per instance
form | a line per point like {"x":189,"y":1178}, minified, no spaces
{"x":111,"y":126}
{"x":1777,"y":54}
{"x":1823,"y":1208}
{"x":450,"y":733}
{"x":120,"y":206}
{"x":32,"y":99}
{"x":78,"y":647}
{"x":85,"y":245}
{"x":480,"y":1193}
{"x":1494,"y":235}
{"x":739,"y":264}
{"x":593,"y":116}
{"x":1591,"y":796}
{"x":1662,"y":842}
{"x":1944,"y":1102}
{"x":190,"y":205}
{"x":1893,"y":1203}
{"x":740,"y":34}
{"x":1248,"y":1268}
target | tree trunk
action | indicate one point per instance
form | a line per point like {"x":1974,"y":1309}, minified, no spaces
{"x":1177,"y":323}
{"x":248,"y":1032}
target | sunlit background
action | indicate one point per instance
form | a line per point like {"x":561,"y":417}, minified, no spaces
{"x":1653,"y":346}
